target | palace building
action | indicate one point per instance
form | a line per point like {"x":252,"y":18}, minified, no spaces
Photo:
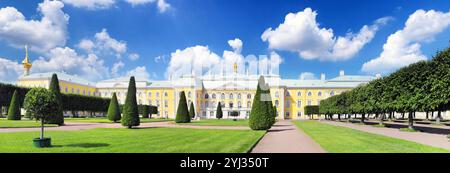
{"x":234,"y":91}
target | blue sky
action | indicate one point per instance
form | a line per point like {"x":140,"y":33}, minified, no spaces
{"x":149,"y":30}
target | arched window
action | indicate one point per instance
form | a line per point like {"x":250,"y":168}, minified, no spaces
{"x":166,"y":94}
{"x":213,"y":95}
{"x":189,"y":94}
{"x":299,"y":93}
{"x":239,"y":104}
{"x":277,"y":94}
{"x":319,"y":93}
{"x":249,"y":104}
{"x":149,"y":94}
{"x":332,"y":93}
{"x":287,"y":94}
{"x":276,"y":103}
{"x":249,"y":96}
{"x":206,"y":96}
{"x":309,"y":93}
{"x":157,"y":94}
{"x":222,"y":96}
{"x":231,"y":96}
{"x":288,"y":104}
{"x":239,"y":96}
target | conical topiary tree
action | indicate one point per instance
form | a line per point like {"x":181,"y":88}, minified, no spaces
{"x":114,"y":109}
{"x":192,"y":110}
{"x":130,"y":109}
{"x":182,"y":111}
{"x":274,"y":114}
{"x":58,"y":117}
{"x":14,"y":108}
{"x":145,"y":111}
{"x":260,"y":116}
{"x":219,"y":112}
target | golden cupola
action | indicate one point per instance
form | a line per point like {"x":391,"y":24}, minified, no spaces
{"x":26,"y":63}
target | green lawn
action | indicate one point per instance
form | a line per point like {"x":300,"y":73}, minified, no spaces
{"x":105,"y":120}
{"x":151,"y":140}
{"x":222,"y":122}
{"x":4,"y":123}
{"x":345,"y":140}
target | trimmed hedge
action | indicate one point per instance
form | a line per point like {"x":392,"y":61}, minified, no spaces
{"x":130,"y":109}
{"x":182,"y":111}
{"x":14,"y":108}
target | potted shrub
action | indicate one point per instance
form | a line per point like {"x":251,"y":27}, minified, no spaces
{"x":41,"y":104}
{"x":234,"y":114}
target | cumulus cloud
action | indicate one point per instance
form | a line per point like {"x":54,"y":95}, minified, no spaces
{"x":200,"y":60}
{"x":139,"y":72}
{"x":116,"y":68}
{"x":103,"y":43}
{"x":9,"y":70}
{"x":52,"y":27}
{"x":301,"y":33}
{"x":133,"y":56}
{"x":68,"y":60}
{"x":403,"y":47}
{"x":91,"y":4}
{"x":162,"y":5}
{"x":307,"y":76}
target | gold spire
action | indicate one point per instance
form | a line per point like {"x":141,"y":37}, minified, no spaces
{"x":26,"y":62}
{"x":235,"y":68}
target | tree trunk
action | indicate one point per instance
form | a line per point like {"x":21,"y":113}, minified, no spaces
{"x":42,"y":128}
{"x":426,"y":115}
{"x":339,"y":117}
{"x":438,"y":117}
{"x":363,"y":116}
{"x":410,"y":121}
{"x":403,"y":115}
{"x":381,"y":119}
{"x":355,"y":116}
{"x":432,"y":114}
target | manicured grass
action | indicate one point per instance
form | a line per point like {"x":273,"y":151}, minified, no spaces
{"x":407,"y":130}
{"x":105,"y":120}
{"x":216,"y":122}
{"x":24,"y":123}
{"x":336,"y":139}
{"x":151,"y":140}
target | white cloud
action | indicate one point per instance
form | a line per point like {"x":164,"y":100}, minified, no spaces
{"x":103,"y":43}
{"x":236,"y":44}
{"x":162,"y":5}
{"x":307,"y":76}
{"x":204,"y":61}
{"x":91,"y":4}
{"x":301,"y":33}
{"x":41,"y":35}
{"x":133,"y":56}
{"x":139,"y":72}
{"x":116,"y":68}
{"x":68,"y":60}
{"x":9,"y":70}
{"x":403,"y":47}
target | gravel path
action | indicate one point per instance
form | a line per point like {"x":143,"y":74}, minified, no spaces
{"x":285,"y":137}
{"x":431,"y":139}
{"x":74,"y":126}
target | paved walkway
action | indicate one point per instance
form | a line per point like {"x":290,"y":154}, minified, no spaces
{"x":74,"y":126}
{"x":436,"y":140}
{"x":285,"y":137}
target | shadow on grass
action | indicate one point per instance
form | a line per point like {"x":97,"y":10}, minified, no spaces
{"x":88,"y":145}
{"x":432,"y":130}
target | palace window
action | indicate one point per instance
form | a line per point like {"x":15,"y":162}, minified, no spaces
{"x":231,"y":96}
{"x":299,"y":93}
{"x":166,"y":94}
{"x":67,"y":90}
{"x":288,"y":104}
{"x":213,"y":95}
{"x":149,"y":102}
{"x":239,"y":96}
{"x":249,"y":96}
{"x":89,"y":93}
{"x":239,"y":104}
{"x":309,"y":102}
{"x":299,"y":104}
{"x":319,"y":93}
{"x":206,"y":96}
{"x":287,"y":94}
{"x":157,"y":103}
{"x":318,"y":102}
{"x":230,"y":104}
{"x":309,"y":93}
{"x":299,"y":114}
{"x":222,"y":96}
{"x":276,"y":94}
{"x":157,"y":94}
{"x":332,"y":93}
{"x":276,"y":103}
{"x":249,"y":104}
{"x":166,"y":103}
{"x":189,"y":94}
{"x":72,"y":91}
{"x":149,"y":94}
